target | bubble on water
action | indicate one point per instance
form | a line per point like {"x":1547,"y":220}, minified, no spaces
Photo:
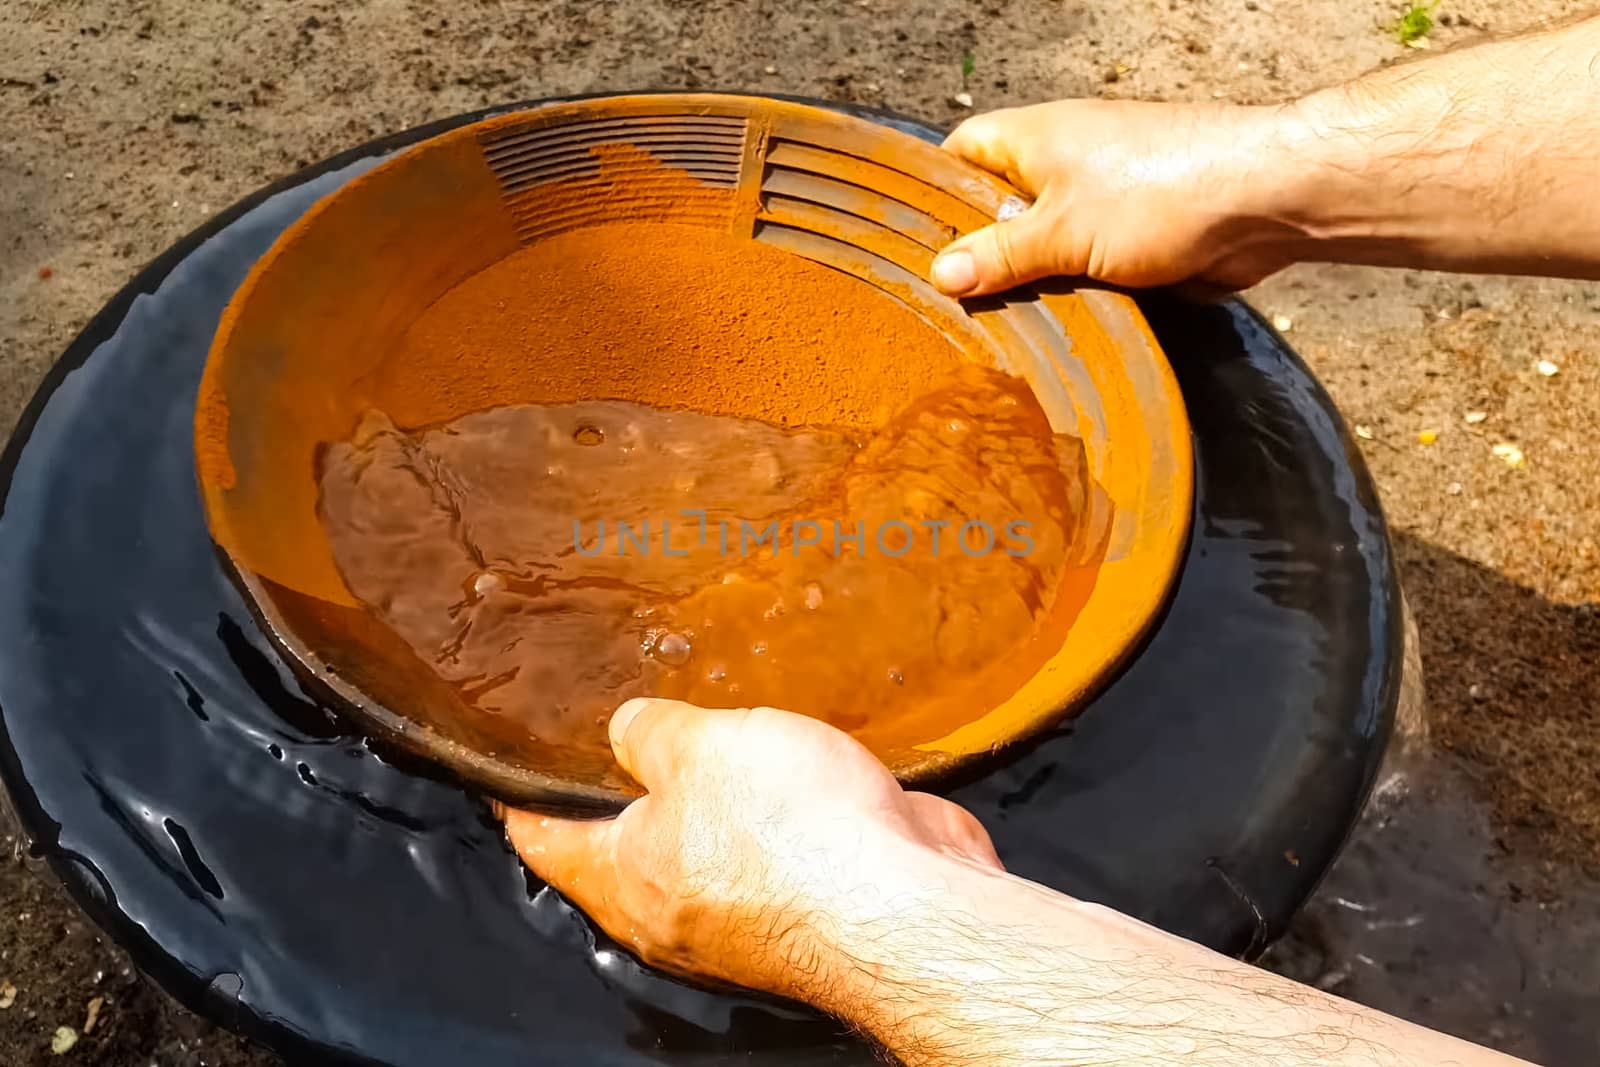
{"x":717,"y":673}
{"x":813,"y":595}
{"x":673,"y":649}
{"x":487,"y":582}
{"x":774,"y":611}
{"x":643,"y":612}
{"x":758,"y":649}
{"x":896,"y":677}
{"x":956,"y":426}
{"x":555,"y":470}
{"x":588,"y":434}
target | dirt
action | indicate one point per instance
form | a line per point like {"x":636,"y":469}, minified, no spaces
{"x":128,"y":124}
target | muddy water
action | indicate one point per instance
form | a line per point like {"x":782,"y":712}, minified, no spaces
{"x":553,"y":561}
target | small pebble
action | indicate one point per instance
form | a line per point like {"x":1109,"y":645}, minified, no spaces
{"x":486,"y":583}
{"x":93,"y":1013}
{"x":8,"y":995}
{"x":46,"y":273}
{"x":62,"y":1041}
{"x":1282,"y":323}
{"x":813,"y":596}
{"x":771,"y":69}
{"x":1363,"y":432}
{"x":962,"y":99}
{"x":1427,"y":437}
{"x":1546,"y":368}
{"x":1510,"y":453}
{"x":1472,"y":418}
{"x":1454,"y":488}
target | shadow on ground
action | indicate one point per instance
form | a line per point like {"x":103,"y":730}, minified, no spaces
{"x":1513,"y":685}
{"x":1462,"y":901}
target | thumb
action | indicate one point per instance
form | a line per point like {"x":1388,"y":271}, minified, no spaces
{"x":1001,"y":256}
{"x":578,"y":858}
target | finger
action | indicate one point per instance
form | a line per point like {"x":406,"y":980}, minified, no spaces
{"x":1001,"y":256}
{"x":656,"y":741}
{"x":955,"y":825}
{"x":985,"y":141}
{"x":576,"y":857}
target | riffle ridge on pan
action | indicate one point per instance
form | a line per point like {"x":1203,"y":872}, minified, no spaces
{"x":631,"y":167}
{"x":826,"y":205}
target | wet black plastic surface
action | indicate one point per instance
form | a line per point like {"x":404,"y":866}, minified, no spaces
{"x":282,"y":878}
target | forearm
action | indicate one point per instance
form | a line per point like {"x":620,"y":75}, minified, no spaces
{"x":1485,"y":159}
{"x":951,"y":965}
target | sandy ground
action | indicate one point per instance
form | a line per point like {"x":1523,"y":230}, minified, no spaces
{"x":124,"y":125}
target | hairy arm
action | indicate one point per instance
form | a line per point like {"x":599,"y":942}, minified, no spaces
{"x":960,"y":965}
{"x":775,"y":852}
{"x":1481,"y":159}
